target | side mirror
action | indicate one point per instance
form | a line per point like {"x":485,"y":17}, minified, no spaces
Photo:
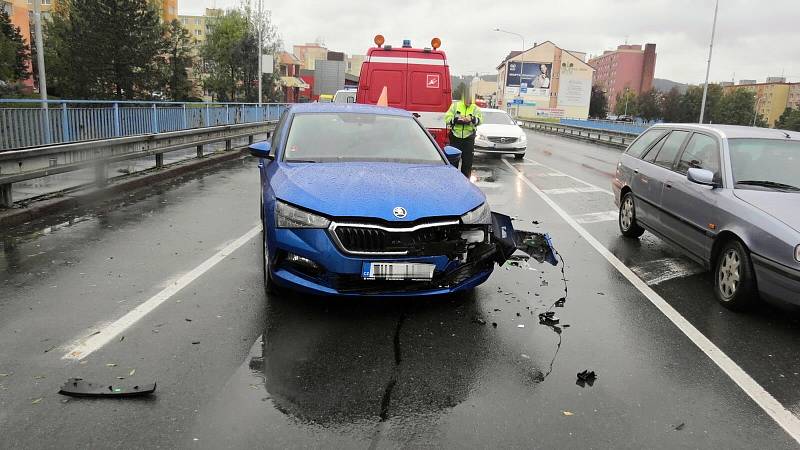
{"x":453,"y":154}
{"x":261,"y":150}
{"x":701,"y":176}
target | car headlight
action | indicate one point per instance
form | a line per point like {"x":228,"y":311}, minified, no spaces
{"x":797,"y":253}
{"x":523,"y":138}
{"x":290,"y":217}
{"x":481,"y":137}
{"x":482,"y":215}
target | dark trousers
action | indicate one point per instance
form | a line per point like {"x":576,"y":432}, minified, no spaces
{"x":467,"y":147}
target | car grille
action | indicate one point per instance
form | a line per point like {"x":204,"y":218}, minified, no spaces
{"x":502,"y":140}
{"x":362,"y":239}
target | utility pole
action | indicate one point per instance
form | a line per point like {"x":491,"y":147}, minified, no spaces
{"x":522,"y":63}
{"x":37,"y":31}
{"x":260,"y":56}
{"x":708,"y":66}
{"x":626,"y":102}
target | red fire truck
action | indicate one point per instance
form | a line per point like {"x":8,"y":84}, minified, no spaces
{"x":416,"y":79}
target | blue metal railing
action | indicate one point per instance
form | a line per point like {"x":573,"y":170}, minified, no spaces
{"x":65,"y":121}
{"x":619,"y":127}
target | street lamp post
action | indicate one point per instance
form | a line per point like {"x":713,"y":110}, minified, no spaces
{"x":755,"y":109}
{"x":260,"y":56}
{"x":522,"y":62}
{"x":626,"y":102}
{"x":37,"y":31}
{"x":708,"y":66}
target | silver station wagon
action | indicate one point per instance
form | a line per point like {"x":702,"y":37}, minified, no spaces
{"x":727,"y":196}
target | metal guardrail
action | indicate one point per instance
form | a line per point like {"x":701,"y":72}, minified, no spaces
{"x":23,"y":123}
{"x":613,"y":138}
{"x":32,"y":163}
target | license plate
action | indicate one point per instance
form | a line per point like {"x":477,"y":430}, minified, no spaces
{"x":397,"y":271}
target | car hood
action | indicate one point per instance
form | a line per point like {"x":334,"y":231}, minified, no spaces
{"x":374,"y":189}
{"x":491,"y":129}
{"x":780,"y":205}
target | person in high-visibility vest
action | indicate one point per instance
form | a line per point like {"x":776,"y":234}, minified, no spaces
{"x":462,"y":120}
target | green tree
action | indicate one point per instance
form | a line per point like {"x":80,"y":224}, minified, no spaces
{"x":230,"y":56}
{"x":671,"y":106}
{"x":789,"y":120}
{"x":598,"y":103}
{"x":14,"y":52}
{"x":735,"y":108}
{"x":177,"y":61}
{"x":626,"y":103}
{"x":458,"y":92}
{"x":648,"y":105}
{"x":691,"y":100}
{"x":105,"y":48}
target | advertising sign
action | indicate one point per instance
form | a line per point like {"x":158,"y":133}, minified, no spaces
{"x":535,"y":76}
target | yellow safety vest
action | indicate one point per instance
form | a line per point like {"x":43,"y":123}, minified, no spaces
{"x":463,"y":130}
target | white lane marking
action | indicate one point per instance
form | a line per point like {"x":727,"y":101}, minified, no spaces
{"x":551,"y":174}
{"x":788,"y":421}
{"x":571,"y":177}
{"x":84,"y":348}
{"x":571,"y":190}
{"x":665,"y":269}
{"x":605,"y":216}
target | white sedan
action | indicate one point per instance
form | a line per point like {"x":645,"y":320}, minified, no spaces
{"x":499,"y":133}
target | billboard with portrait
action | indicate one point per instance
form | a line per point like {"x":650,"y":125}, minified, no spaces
{"x":535,"y":77}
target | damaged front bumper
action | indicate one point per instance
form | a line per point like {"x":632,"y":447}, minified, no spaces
{"x":332,"y":262}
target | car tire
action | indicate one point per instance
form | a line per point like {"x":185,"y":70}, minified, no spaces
{"x":627,"y":217}
{"x":269,"y":285}
{"x":734,"y":278}
{"x":519,"y":157}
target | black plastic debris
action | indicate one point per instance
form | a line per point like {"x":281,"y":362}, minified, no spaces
{"x":560,"y":302}
{"x":548,"y":318}
{"x":77,"y":387}
{"x":538,"y":246}
{"x":479,"y":320}
{"x":587,"y":377}
{"x":680,"y":426}
{"x":494,"y":324}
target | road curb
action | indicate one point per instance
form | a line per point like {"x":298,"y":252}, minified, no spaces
{"x":88,"y":196}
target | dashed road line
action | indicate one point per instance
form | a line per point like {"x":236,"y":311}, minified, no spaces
{"x":571,"y":190}
{"x":568,"y":176}
{"x":605,"y":216}
{"x":783,"y":417}
{"x":665,"y":269}
{"x":85,"y":347}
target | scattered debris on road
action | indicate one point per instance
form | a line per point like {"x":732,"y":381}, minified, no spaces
{"x":680,"y":426}
{"x":587,"y":377}
{"x":479,"y":320}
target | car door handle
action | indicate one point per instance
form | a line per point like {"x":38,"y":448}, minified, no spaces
{"x":635,"y":170}
{"x":669,"y":185}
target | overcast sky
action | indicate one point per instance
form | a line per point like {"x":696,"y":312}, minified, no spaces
{"x":754,"y":38}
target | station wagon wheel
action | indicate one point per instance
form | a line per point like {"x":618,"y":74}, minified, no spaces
{"x":627,"y":217}
{"x":734,"y":279}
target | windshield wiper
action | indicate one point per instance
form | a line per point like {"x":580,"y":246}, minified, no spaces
{"x":769,"y":184}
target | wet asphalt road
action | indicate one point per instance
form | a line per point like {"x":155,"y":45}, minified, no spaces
{"x":238,"y":369}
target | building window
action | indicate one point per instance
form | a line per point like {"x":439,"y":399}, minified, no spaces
{"x":45,"y":2}
{"x":200,"y":33}
{"x":184,"y":20}
{"x":197,"y":22}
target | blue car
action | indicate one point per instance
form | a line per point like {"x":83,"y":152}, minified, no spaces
{"x":360,"y":200}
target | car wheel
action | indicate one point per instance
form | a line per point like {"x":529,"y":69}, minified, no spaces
{"x":734,"y":278}
{"x":627,"y":217}
{"x":518,"y":157}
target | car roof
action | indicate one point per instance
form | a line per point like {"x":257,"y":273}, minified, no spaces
{"x":492,"y":110}
{"x":735,"y":131}
{"x":347,"y":108}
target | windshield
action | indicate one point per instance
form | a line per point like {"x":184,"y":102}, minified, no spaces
{"x":497,"y":118}
{"x":761,"y":163}
{"x":335,"y":137}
